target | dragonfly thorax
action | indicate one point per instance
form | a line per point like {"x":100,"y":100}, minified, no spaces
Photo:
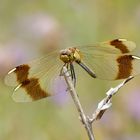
{"x":70,"y":54}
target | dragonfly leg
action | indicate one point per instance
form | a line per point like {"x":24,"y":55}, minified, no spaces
{"x":73,"y":76}
{"x":87,"y":69}
{"x":70,"y":68}
{"x":61,"y":70}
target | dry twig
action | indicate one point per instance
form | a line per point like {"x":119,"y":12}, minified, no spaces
{"x":106,"y":103}
{"x":102,"y":106}
{"x":88,"y":126}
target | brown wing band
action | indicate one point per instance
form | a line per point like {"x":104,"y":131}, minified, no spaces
{"x":125,"y":66}
{"x":31,"y":85}
{"x":33,"y":88}
{"x":22,"y":72}
{"x":119,"y":45}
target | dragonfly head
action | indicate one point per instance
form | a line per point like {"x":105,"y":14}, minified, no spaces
{"x":69,"y":55}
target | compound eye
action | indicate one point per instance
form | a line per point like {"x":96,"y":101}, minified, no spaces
{"x":68,"y":52}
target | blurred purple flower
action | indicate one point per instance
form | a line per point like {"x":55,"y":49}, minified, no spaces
{"x":60,"y":91}
{"x":40,"y":27}
{"x":12,"y":54}
{"x":132,"y":104}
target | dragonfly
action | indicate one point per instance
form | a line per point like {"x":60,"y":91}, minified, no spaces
{"x":109,"y":60}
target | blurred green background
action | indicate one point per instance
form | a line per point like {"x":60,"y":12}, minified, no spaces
{"x":32,"y":28}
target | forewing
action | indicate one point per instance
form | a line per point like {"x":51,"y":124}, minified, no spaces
{"x":35,"y":80}
{"x":117,"y":46}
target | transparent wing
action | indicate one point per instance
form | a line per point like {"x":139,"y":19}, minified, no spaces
{"x":117,"y":46}
{"x":110,"y":60}
{"x":37,"y":79}
{"x":112,"y":66}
